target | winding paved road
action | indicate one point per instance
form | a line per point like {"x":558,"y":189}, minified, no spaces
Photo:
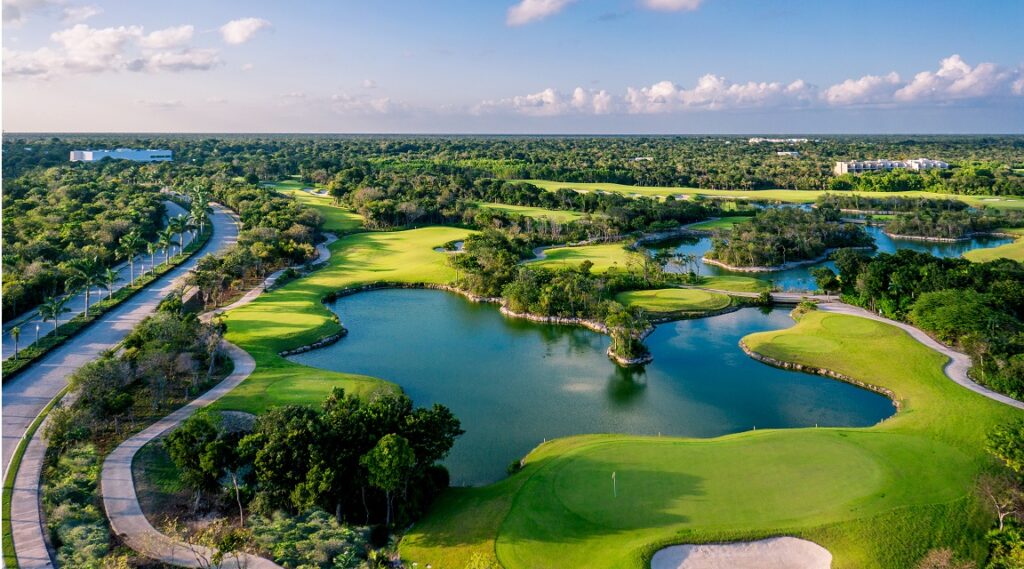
{"x":118,"y":485}
{"x":28,"y":323}
{"x":25,"y":396}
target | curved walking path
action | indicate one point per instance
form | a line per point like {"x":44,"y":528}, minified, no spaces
{"x":956,"y":368}
{"x":118,"y":485}
{"x":122,"y":503}
{"x":25,"y":396}
{"x":30,"y":321}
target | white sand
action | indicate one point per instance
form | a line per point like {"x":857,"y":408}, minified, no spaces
{"x":773,"y":553}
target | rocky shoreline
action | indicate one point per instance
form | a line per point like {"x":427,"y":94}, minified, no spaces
{"x":966,"y":237}
{"x":782,"y":267}
{"x":819,"y":371}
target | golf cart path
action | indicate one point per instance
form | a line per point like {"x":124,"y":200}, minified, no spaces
{"x":25,"y":396}
{"x":956,"y":368}
{"x":120,"y":499}
{"x":28,"y":323}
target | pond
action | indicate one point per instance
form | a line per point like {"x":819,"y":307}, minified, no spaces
{"x":515,"y":383}
{"x":799,"y":278}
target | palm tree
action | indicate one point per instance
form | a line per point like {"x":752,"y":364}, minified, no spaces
{"x":164,"y":239}
{"x":131,"y":245}
{"x":177,"y":225}
{"x":15,"y":333}
{"x":110,"y":276}
{"x":52,"y":308}
{"x":86,"y":273}
{"x":191,"y":227}
{"x":200,"y":205}
{"x":152,"y":248}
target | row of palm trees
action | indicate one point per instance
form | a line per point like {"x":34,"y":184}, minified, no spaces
{"x":90,"y":273}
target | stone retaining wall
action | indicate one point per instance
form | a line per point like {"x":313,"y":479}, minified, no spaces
{"x":819,"y":371}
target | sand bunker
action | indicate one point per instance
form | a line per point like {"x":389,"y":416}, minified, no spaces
{"x":773,"y":553}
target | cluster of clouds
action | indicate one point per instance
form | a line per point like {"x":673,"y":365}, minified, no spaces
{"x":82,"y":48}
{"x":954,"y":81}
{"x":528,"y":11}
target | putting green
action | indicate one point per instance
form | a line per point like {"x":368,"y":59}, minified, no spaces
{"x":674,"y":300}
{"x":556,"y":215}
{"x":604,"y":256}
{"x":293,"y":315}
{"x":1014,"y":251}
{"x":735,"y":283}
{"x":876,"y":497}
{"x":336,"y":219}
{"x":720,"y":223}
{"x":790,"y":196}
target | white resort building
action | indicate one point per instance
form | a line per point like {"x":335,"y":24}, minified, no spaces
{"x":858,"y":166}
{"x":122,"y":154}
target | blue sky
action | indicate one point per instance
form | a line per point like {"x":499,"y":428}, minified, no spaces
{"x":511,"y":66}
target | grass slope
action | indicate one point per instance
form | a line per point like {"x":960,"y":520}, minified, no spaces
{"x":1013,"y":250}
{"x":604,"y":256}
{"x":790,"y":196}
{"x":293,"y":315}
{"x":875,"y":497}
{"x":674,"y":300}
{"x":720,"y":223}
{"x":556,"y":215}
{"x":336,"y":219}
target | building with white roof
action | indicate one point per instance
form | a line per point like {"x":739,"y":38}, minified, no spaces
{"x":860,"y":166}
{"x":122,"y":154}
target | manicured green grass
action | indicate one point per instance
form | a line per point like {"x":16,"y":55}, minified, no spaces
{"x":336,"y":219}
{"x":789,"y":196}
{"x":674,"y":300}
{"x":556,"y":215}
{"x":293,"y":315}
{"x":733,"y":283}
{"x":911,"y":474}
{"x":720,"y":223}
{"x":1013,"y":250}
{"x":604,"y":256}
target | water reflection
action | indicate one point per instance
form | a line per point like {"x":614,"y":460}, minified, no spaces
{"x":515,"y":383}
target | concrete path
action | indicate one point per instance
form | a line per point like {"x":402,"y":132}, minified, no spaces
{"x":118,"y":486}
{"x":30,"y":321}
{"x":25,"y":396}
{"x":958,"y":364}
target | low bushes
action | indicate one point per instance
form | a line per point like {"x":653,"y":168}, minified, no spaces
{"x":75,"y":520}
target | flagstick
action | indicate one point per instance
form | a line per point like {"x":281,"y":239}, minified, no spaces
{"x":615,"y":490}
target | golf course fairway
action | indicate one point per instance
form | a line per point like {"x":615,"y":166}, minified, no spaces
{"x":293,"y":315}
{"x":788,"y":196}
{"x":875,"y":497}
{"x":674,"y":300}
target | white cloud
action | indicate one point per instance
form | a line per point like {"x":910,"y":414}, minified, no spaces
{"x":369,"y":84}
{"x":84,"y":49}
{"x":167,"y":37}
{"x":80,"y":13}
{"x":551,"y":102}
{"x":240,"y":31}
{"x":162,"y":105}
{"x":248,"y":67}
{"x":527,"y":11}
{"x":672,"y":5}
{"x":16,"y":12}
{"x":955,"y":79}
{"x":348,"y":105}
{"x":1018,"y":86}
{"x":183,"y":60}
{"x":713,"y":92}
{"x":868,"y":89}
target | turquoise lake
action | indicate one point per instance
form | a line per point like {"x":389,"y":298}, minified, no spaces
{"x":515,"y":383}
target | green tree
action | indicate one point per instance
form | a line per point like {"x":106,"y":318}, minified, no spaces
{"x":1006,"y":443}
{"x":389,"y":464}
{"x":51,"y":309}
{"x":15,"y":335}
{"x":131,"y":244}
{"x":86,"y":273}
{"x":110,"y":278}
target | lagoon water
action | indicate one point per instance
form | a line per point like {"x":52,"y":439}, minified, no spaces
{"x":514,"y":383}
{"x":799,"y":278}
